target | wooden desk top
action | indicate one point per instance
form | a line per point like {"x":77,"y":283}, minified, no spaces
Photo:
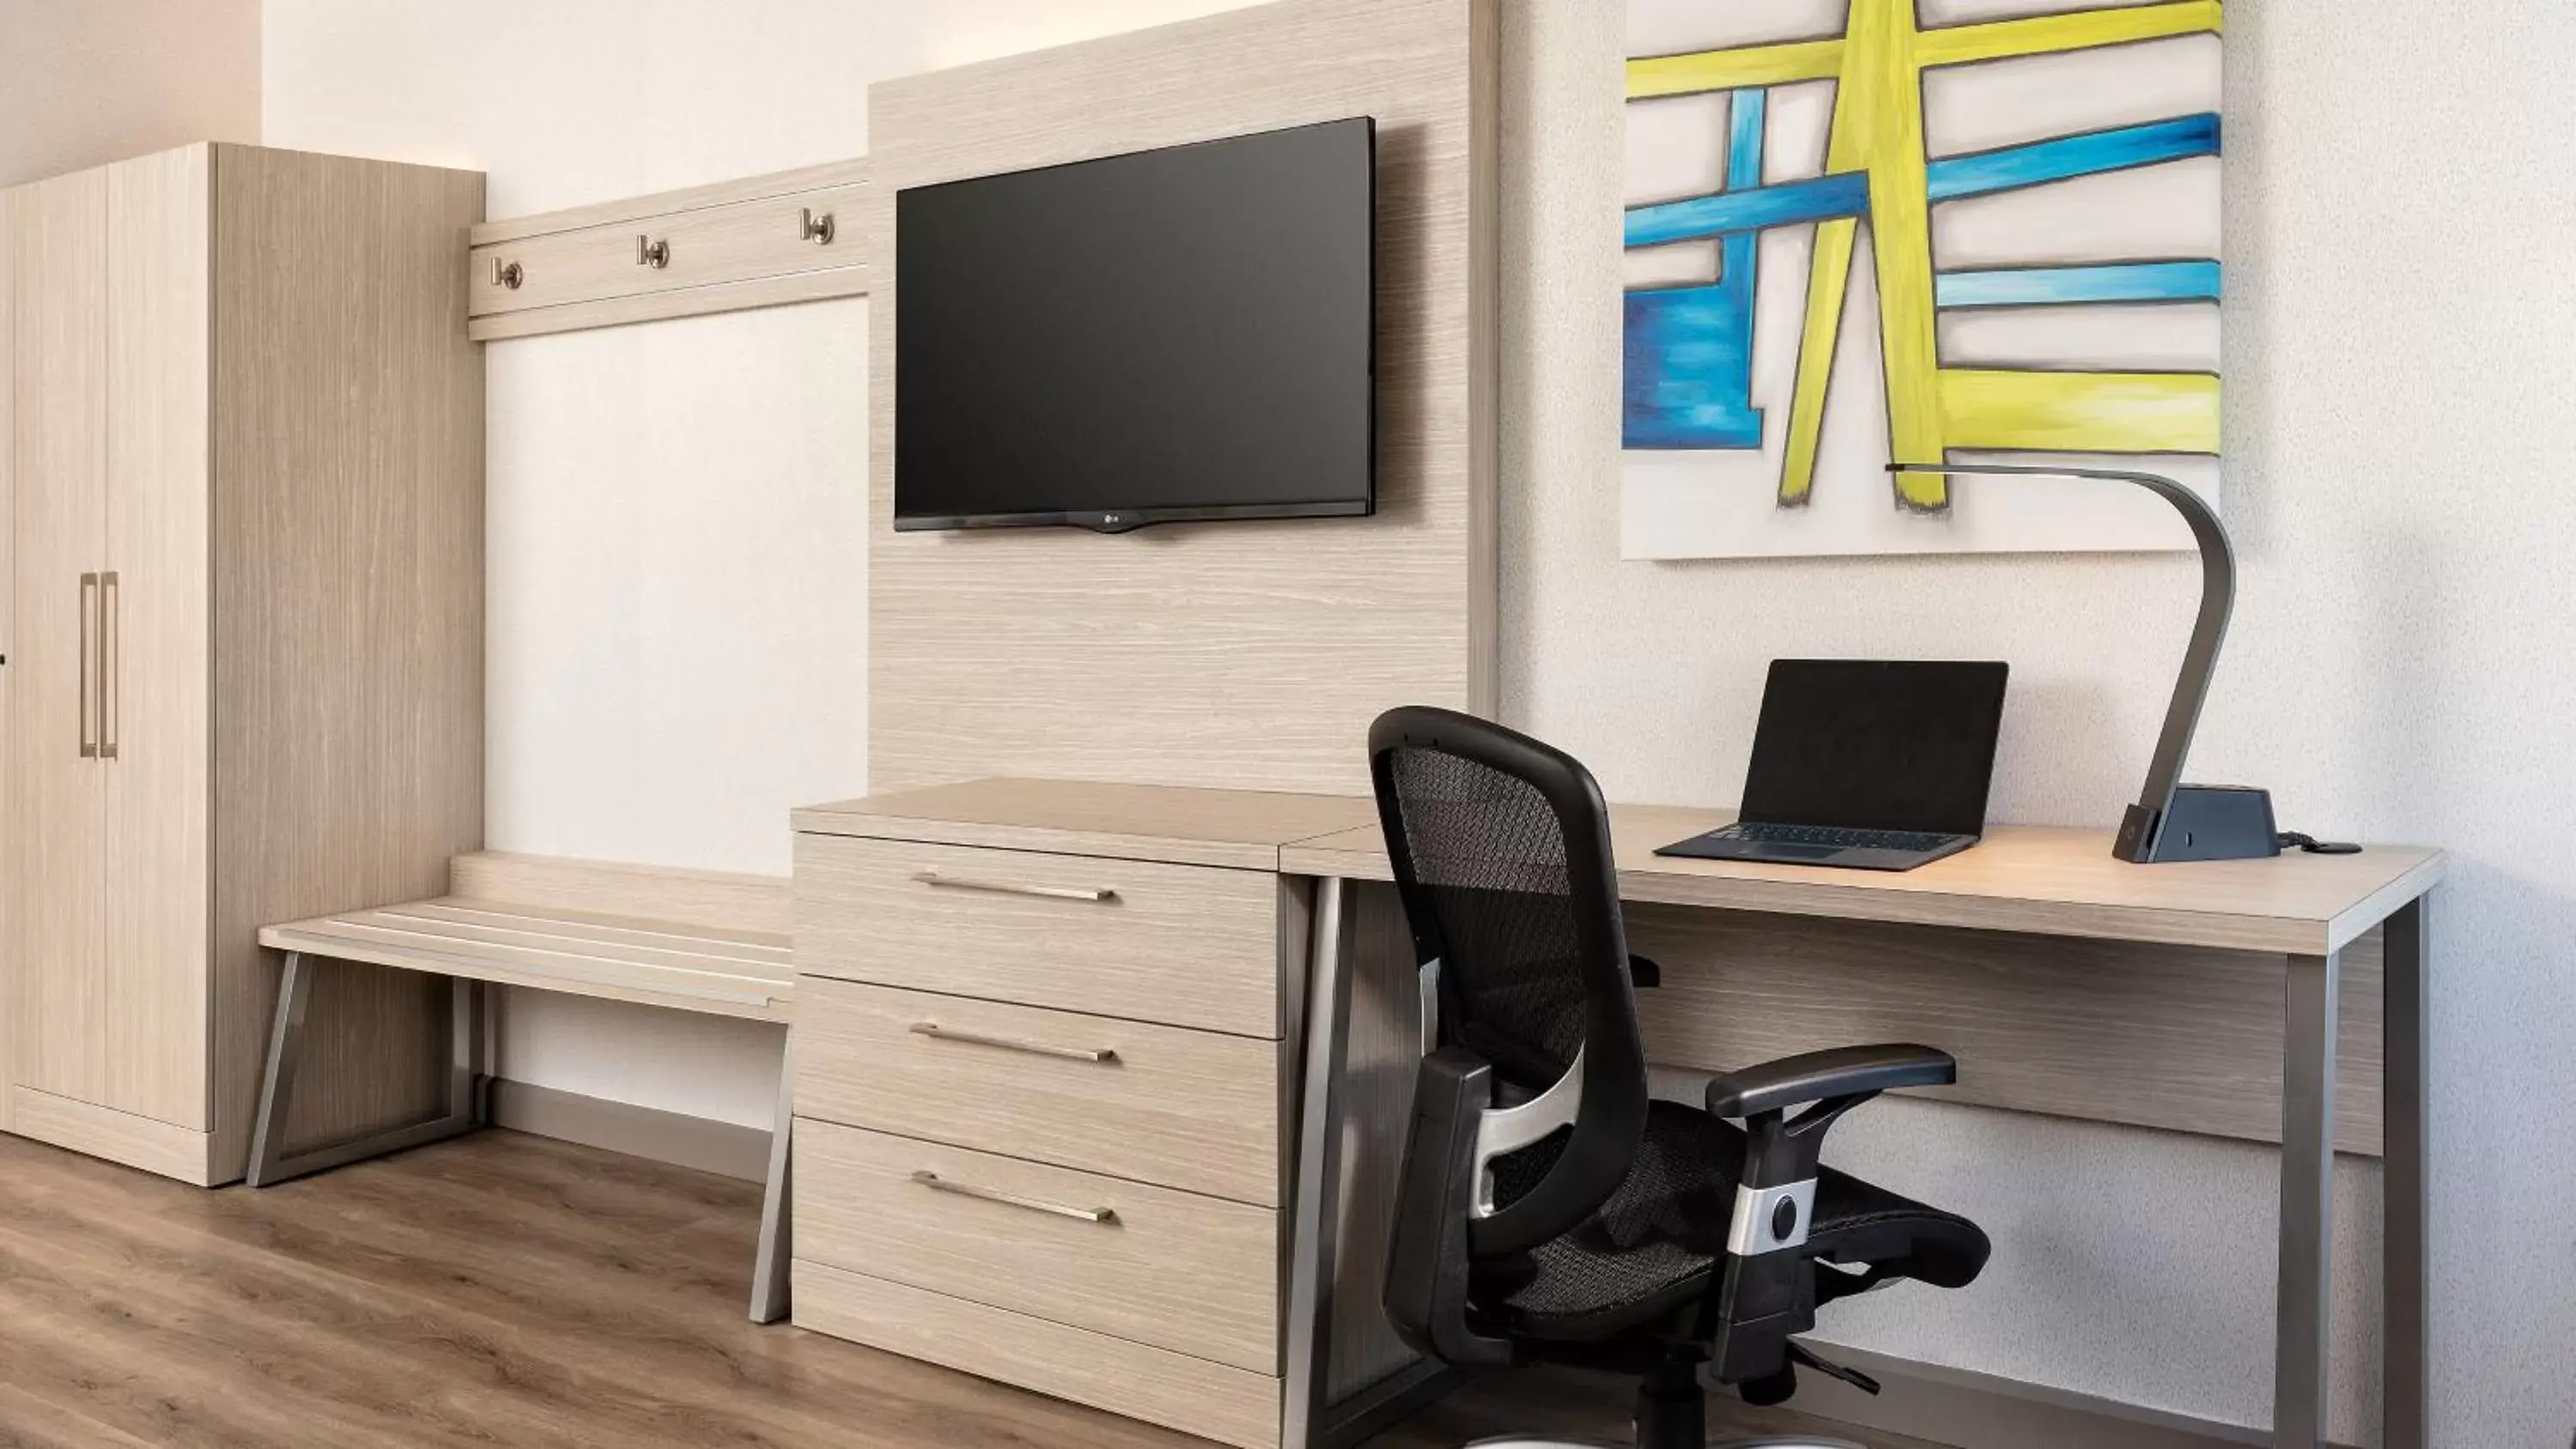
{"x":2020,"y":878}
{"x":1243,"y":829}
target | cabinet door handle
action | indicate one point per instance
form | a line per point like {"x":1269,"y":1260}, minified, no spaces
{"x":88,"y":604}
{"x":936,"y":1183}
{"x":1012,"y":888}
{"x":936,"y":1032}
{"x":111,"y":652}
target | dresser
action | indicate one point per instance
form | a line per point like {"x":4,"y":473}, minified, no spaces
{"x":1049,"y":1084}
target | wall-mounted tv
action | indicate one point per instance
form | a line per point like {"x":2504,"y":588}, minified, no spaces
{"x":1185,"y":333}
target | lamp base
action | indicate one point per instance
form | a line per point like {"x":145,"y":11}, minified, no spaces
{"x":2204,"y":822}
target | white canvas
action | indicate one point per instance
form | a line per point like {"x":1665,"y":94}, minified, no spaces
{"x":2044,"y":187}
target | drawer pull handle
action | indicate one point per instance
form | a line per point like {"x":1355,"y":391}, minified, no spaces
{"x":936,"y":1183}
{"x":508,"y":274}
{"x":652,"y":253}
{"x":817,"y":229}
{"x":1012,"y":888}
{"x":936,"y":1032}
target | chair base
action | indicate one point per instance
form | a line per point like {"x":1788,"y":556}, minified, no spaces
{"x":1672,"y":1413}
{"x":1522,"y":1442}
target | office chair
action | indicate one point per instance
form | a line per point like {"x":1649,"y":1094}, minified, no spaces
{"x":1549,"y":1211}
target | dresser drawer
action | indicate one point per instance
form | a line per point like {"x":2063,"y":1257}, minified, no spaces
{"x":1197,"y":1275}
{"x":1183,"y":945}
{"x":700,"y":247}
{"x":1177,"y":1390}
{"x":1188,"y":1109}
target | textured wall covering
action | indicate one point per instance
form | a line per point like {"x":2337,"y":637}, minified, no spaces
{"x":84,"y":83}
{"x":2401,"y":325}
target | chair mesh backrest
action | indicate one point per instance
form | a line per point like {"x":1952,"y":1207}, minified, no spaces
{"x":1488,"y":858}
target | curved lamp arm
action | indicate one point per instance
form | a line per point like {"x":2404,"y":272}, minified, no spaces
{"x":2144,"y":823}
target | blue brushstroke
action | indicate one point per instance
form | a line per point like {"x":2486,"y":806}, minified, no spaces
{"x":1688,"y":370}
{"x":1747,"y":112}
{"x":1951,"y":178}
{"x":1787,"y":203}
{"x":1688,"y":381}
{"x":2058,"y":286}
{"x":2067,"y":157}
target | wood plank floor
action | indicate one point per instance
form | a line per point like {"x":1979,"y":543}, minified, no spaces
{"x":505,"y":1290}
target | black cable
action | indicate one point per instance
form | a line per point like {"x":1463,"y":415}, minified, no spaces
{"x":2313,"y":846}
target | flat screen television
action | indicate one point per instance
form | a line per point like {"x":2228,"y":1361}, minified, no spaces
{"x":1186,"y":333}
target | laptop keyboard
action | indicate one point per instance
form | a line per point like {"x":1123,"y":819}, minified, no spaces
{"x":1839,"y":839}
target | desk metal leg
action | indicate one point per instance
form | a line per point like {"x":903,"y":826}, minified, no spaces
{"x":1312,"y":1417}
{"x":271,"y":1163}
{"x":2403,"y":1175}
{"x":1315,"y":1221}
{"x":2307,"y":1199}
{"x":769,"y":1272}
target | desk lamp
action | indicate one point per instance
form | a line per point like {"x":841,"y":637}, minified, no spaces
{"x":2172,"y":820}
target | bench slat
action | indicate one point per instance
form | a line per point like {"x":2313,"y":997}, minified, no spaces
{"x":719,"y":991}
{"x":572,"y":939}
{"x":748,"y":944}
{"x":478,"y":941}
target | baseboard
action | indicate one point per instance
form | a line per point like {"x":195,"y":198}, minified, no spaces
{"x":703,"y":1143}
{"x":1981,"y":1411}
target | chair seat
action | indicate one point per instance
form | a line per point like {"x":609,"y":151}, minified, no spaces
{"x":1659,"y":1242}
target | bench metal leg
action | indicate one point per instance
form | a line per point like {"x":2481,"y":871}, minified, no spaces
{"x":467,"y":1084}
{"x":769,"y":1271}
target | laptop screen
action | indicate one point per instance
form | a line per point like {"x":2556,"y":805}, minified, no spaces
{"x":1876,"y":745}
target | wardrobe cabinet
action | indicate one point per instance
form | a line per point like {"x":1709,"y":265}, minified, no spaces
{"x":244,"y":630}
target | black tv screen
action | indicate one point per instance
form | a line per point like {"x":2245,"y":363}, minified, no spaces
{"x":1174,"y":334}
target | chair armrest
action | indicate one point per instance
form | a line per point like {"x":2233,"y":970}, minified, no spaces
{"x":1818,"y":1076}
{"x":1429,"y":1267}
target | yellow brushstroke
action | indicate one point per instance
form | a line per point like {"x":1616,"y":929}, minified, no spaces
{"x":1828,"y":279}
{"x":1726,"y":70}
{"x":2086,"y":412}
{"x":1879,"y":106}
{"x":2047,"y":34}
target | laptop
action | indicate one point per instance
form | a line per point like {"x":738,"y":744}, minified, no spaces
{"x":1870,"y":764}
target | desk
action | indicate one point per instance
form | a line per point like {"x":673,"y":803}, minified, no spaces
{"x":2312,"y":910}
{"x":1027,"y":1009}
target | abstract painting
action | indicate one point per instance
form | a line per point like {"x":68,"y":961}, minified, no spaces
{"x":1861,"y":232}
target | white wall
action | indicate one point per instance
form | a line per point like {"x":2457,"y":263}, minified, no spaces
{"x":2401,"y":323}
{"x":85,"y":82}
{"x":678,"y":590}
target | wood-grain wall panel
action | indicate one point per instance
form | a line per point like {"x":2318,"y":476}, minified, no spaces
{"x":348,"y":595}
{"x":1246,"y":655}
{"x":2187,"y":1039}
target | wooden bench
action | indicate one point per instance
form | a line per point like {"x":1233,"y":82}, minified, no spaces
{"x":689,"y":940}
